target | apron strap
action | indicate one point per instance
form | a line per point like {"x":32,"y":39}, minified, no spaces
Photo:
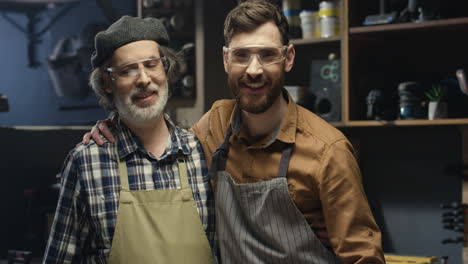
{"x":284,"y":162}
{"x":219,"y":158}
{"x":122,"y":170}
{"x":183,"y":174}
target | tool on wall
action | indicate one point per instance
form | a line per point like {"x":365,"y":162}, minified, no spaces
{"x":461,"y":77}
{"x":403,"y":11}
{"x":19,"y":256}
{"x":453,"y":218}
{"x":420,"y":11}
{"x":66,"y":71}
{"x":4,"y":107}
{"x":383,"y":17}
{"x":178,"y":17}
{"x":32,"y":9}
{"x":379,"y":105}
{"x":185,"y":87}
{"x":69,"y":65}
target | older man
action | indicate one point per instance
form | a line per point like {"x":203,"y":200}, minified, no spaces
{"x":279,"y":170}
{"x":147,"y":198}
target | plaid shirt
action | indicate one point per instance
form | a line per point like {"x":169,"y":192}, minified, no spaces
{"x":87,"y":208}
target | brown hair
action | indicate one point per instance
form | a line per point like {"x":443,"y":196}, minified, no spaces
{"x":250,"y":14}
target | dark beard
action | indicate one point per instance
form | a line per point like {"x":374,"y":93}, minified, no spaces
{"x":249,"y":103}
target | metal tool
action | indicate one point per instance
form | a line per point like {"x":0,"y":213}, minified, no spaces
{"x":19,"y":256}
{"x":4,"y":107}
{"x":461,"y":77}
{"x":454,"y":219}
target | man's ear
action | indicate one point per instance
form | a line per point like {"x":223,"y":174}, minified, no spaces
{"x":290,"y":55}
{"x":107,"y":82}
{"x":225,"y":62}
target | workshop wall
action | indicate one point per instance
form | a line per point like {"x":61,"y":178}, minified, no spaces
{"x":32,"y":98}
{"x":30,"y":159}
{"x":408,"y":173}
{"x":28,"y":196}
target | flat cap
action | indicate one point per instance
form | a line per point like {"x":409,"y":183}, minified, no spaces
{"x":125,"y":30}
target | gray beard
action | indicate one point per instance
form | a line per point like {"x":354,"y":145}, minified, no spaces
{"x":128,"y":111}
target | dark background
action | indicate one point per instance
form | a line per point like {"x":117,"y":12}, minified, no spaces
{"x":403,"y":168}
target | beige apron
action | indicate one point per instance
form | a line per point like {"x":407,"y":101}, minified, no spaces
{"x":158,"y":226}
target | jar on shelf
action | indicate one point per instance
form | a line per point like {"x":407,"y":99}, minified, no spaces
{"x":329,"y":19}
{"x":291,"y":9}
{"x":309,"y":24}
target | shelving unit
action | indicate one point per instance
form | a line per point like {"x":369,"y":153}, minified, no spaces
{"x":382,"y":56}
{"x":444,"y":24}
{"x":385,"y":55}
{"x":415,"y":122}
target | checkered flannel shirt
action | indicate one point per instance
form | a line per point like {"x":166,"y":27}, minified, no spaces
{"x":87,"y":208}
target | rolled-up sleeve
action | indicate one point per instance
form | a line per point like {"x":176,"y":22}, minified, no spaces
{"x":354,"y":234}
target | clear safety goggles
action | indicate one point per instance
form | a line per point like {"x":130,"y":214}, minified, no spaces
{"x":266,"y":55}
{"x":131,"y":71}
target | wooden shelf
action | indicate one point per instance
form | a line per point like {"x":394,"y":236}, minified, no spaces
{"x":30,"y":5}
{"x":452,"y":23}
{"x":418,"y":122}
{"x":315,"y":41}
{"x":338,"y":124}
{"x":47,"y":128}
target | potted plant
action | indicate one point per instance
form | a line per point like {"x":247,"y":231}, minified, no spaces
{"x":438,"y":107}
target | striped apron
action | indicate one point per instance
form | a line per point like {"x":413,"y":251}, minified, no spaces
{"x":259,"y":222}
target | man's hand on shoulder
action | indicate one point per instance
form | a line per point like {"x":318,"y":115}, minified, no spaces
{"x":102,"y":127}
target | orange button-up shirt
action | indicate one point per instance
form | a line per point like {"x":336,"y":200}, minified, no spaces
{"x":323,"y":177}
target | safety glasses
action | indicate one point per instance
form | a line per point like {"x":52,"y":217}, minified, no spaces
{"x":131,"y":71}
{"x":266,"y":55}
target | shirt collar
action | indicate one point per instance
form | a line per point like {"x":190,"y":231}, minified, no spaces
{"x":285,"y":133}
{"x":128,"y":142}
